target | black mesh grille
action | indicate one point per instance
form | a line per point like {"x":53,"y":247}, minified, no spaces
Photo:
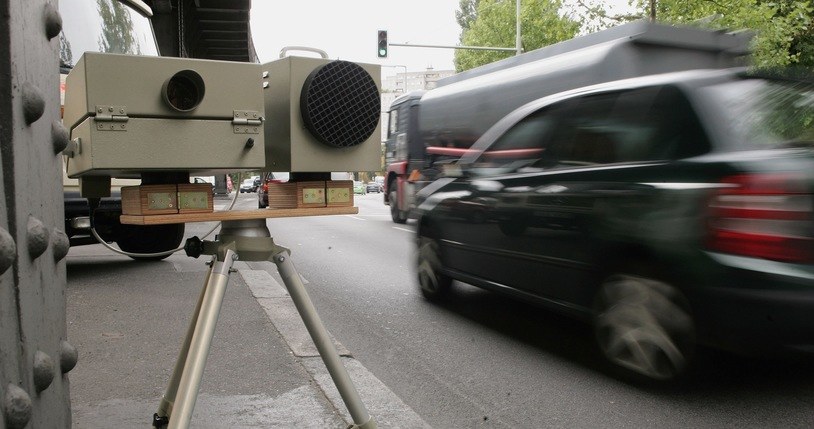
{"x":340,"y":104}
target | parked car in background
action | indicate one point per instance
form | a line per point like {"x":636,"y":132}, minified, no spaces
{"x":359,"y":187}
{"x":263,"y":189}
{"x":373,"y":187}
{"x":247,"y":185}
{"x":669,"y":211}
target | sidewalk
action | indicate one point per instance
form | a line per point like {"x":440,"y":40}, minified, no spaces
{"x":127,"y":320}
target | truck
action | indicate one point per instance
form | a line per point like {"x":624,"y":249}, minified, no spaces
{"x":428,"y":131}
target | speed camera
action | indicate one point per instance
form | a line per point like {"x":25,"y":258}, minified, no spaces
{"x":129,"y":114}
{"x":134,"y":114}
{"x":322,"y":115}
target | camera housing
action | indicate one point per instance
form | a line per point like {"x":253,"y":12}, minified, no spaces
{"x":322,"y":115}
{"x":132,"y":114}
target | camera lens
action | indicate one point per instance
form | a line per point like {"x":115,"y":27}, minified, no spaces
{"x":184,"y":91}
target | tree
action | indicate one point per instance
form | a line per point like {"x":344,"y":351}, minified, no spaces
{"x":784,"y":28}
{"x":466,"y":13}
{"x":494,"y":24}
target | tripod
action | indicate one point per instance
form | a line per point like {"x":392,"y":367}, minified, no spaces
{"x":249,"y":240}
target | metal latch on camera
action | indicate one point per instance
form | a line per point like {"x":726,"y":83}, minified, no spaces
{"x":247,"y":122}
{"x":111,"y":118}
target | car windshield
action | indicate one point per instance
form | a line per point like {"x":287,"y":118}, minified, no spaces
{"x":766,"y":114}
{"x":102,"y":26}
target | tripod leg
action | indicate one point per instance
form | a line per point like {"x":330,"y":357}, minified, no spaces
{"x":161,"y":418}
{"x":198,"y":351}
{"x":325,"y":346}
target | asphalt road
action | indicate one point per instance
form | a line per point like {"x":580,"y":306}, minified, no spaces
{"x":487,"y":361}
{"x":483,"y":360}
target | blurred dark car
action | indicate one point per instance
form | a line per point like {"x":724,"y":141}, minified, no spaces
{"x":263,"y":188}
{"x":669,"y":211}
{"x":373,"y":187}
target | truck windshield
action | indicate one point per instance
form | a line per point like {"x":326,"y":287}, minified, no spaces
{"x":102,"y":26}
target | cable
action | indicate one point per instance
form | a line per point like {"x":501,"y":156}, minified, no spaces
{"x":93,"y":203}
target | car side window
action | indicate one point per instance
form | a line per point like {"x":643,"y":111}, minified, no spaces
{"x":520,"y":146}
{"x":643,"y":124}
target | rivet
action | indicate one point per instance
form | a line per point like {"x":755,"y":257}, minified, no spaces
{"x":53,"y":21}
{"x":8,"y":250}
{"x":33,"y":103}
{"x":110,"y":109}
{"x":68,"y":356}
{"x":59,"y":136}
{"x":60,"y":244}
{"x":43,"y":370}
{"x":99,"y":110}
{"x":16,"y":407}
{"x":37,"y":237}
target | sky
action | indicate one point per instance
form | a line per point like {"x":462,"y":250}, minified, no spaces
{"x":347,"y":30}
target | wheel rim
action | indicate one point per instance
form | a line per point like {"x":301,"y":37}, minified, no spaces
{"x":642,"y":326}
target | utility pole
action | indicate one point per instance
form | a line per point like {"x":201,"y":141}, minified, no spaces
{"x":517,"y":44}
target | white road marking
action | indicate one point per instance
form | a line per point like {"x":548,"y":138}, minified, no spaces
{"x":402,"y":229}
{"x":356,"y":217}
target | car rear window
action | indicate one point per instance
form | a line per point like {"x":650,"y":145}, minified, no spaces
{"x":766,"y":114}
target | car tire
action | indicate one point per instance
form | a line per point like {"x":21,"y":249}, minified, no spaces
{"x":260,"y":205}
{"x":643,"y":327}
{"x":434,"y":284}
{"x":149,"y":239}
{"x":398,"y":216}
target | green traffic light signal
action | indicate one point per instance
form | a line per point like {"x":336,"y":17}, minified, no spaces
{"x":382,"y":43}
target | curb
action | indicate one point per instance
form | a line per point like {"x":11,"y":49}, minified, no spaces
{"x":384,"y":406}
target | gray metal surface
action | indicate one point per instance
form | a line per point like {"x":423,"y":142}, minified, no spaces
{"x":36,"y":356}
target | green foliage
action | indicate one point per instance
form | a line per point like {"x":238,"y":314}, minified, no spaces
{"x":467,"y":13}
{"x":784,"y":28}
{"x":542,"y":24}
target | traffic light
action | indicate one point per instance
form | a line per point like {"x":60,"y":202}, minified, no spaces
{"x":382,"y":43}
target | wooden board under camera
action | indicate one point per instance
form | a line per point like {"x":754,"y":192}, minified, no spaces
{"x":234,"y":215}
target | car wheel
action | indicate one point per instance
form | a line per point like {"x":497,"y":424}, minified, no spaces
{"x":399,"y":216}
{"x":433,"y":283}
{"x":261,"y":205}
{"x":149,"y":239}
{"x":643,"y":326}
